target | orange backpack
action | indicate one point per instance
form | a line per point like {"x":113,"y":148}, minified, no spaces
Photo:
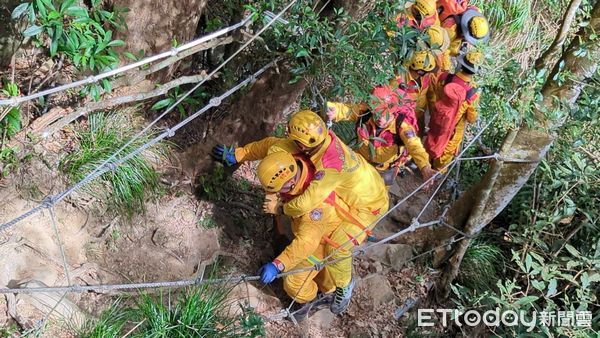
{"x":443,"y":118}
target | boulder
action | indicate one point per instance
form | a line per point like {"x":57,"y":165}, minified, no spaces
{"x":393,"y":255}
{"x":378,"y":290}
{"x":245,"y":294}
{"x":322,"y":319}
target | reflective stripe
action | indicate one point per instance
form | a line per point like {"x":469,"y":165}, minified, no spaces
{"x":313,"y":260}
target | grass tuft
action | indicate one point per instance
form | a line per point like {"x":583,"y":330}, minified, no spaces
{"x":198,"y":312}
{"x":481,"y":266}
{"x":127,"y":187}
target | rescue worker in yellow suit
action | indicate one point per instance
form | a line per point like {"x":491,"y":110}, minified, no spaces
{"x":456,"y":105}
{"x":342,"y":178}
{"x":422,"y":67}
{"x":283,"y":177}
{"x":317,"y":233}
{"x":387,"y":131}
{"x":438,"y":42}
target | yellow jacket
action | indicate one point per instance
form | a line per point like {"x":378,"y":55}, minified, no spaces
{"x":309,"y":230}
{"x":339,"y":170}
{"x":385,"y":156}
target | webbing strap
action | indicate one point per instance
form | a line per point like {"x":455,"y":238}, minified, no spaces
{"x":331,"y":242}
{"x":331,"y":201}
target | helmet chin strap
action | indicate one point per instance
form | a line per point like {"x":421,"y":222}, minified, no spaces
{"x":301,"y":177}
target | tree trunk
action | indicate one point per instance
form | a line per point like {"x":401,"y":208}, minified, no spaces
{"x":253,"y":117}
{"x":504,"y":180}
{"x":153,"y":26}
{"x":9,"y":38}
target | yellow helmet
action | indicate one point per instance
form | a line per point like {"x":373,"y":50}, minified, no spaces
{"x":478,"y":27}
{"x":474,"y":27}
{"x":307,"y":128}
{"x":423,"y":60}
{"x":276,"y":169}
{"x":425,"y":7}
{"x":438,"y":37}
{"x":471,"y":60}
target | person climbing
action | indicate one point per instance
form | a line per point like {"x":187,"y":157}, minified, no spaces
{"x":344,"y":177}
{"x":420,"y":15}
{"x":284,"y":177}
{"x":387,"y":131}
{"x":465,"y":24}
{"x":422,"y":66}
{"x":456,"y":104}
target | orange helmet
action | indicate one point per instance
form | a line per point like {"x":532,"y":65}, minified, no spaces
{"x":307,"y":128}
{"x":276,"y":169}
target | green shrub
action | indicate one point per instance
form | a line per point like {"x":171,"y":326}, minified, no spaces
{"x":345,"y":57}
{"x":128,"y":186}
{"x":198,"y":312}
{"x":10,"y":117}
{"x":84,"y":35}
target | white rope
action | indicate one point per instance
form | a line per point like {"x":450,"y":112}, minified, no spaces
{"x":111,"y":163}
{"x":14,"y":101}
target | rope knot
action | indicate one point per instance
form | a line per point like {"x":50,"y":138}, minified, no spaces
{"x":361,"y":251}
{"x":14,"y":101}
{"x":91,"y":79}
{"x":497,"y":157}
{"x":414,"y":224}
{"x":215,"y":101}
{"x":49,"y":201}
{"x":170,"y":132}
{"x":110,"y":166}
{"x":174,"y":51}
{"x":319,"y":266}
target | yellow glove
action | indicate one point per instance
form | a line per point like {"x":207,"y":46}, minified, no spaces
{"x":272,"y":204}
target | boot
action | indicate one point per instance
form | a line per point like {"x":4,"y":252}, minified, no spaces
{"x":342,"y":297}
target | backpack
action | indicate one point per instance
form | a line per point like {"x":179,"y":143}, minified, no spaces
{"x":443,"y":119}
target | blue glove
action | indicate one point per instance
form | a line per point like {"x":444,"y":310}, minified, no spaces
{"x":224,"y":154}
{"x":268,"y":273}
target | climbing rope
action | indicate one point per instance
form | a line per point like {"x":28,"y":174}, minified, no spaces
{"x":111,"y":164}
{"x":14,"y":101}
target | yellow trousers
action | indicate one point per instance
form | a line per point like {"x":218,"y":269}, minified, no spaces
{"x":341,"y":271}
{"x":302,"y":287}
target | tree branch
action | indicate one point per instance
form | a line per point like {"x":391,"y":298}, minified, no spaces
{"x":53,"y":122}
{"x":544,"y":60}
{"x":142,"y":74}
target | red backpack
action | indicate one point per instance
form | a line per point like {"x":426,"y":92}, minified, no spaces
{"x":443,"y":117}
